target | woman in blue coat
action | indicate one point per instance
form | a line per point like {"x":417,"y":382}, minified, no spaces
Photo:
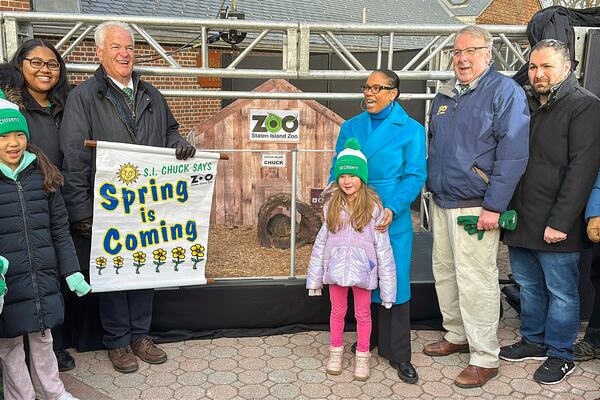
{"x":394,"y":145}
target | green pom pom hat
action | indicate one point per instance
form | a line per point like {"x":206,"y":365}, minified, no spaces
{"x":352,"y":161}
{"x":11,"y":119}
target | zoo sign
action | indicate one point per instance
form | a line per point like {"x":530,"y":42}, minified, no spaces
{"x":274,"y":126}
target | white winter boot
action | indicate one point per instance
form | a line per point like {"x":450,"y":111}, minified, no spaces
{"x":336,"y":355}
{"x":361,"y":371}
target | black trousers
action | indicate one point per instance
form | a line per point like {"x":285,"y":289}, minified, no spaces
{"x":592,"y":332}
{"x":391,"y":331}
{"x":126,"y":316}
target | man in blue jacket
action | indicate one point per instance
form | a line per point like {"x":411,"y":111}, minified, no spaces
{"x":588,"y":348}
{"x":478,"y":141}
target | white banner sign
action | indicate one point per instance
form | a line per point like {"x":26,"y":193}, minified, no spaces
{"x":151,"y":217}
{"x":274,"y":126}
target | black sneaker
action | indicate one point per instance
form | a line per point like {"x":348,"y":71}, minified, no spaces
{"x":523,"y":351}
{"x":554,"y":370}
{"x":584,"y":351}
{"x":65,"y":361}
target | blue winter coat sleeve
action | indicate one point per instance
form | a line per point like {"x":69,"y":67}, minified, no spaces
{"x":593,"y":204}
{"x":61,"y":237}
{"x":511,"y":130}
{"x":415,"y":172}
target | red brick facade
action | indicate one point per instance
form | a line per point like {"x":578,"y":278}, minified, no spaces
{"x":509,"y":12}
{"x":15,"y":5}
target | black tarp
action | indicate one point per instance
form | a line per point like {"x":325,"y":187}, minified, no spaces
{"x":557,"y":23}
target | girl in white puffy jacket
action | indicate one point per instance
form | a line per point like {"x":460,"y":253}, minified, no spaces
{"x":349,"y":253}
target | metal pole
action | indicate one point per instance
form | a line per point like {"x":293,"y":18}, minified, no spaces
{"x":434,"y":52}
{"x":293,"y":195}
{"x":379,"y":50}
{"x":511,"y":48}
{"x":337,"y":52}
{"x":391,"y":51}
{"x":64,"y":40}
{"x":77,"y":41}
{"x":345,"y":51}
{"x":154,"y":44}
{"x":420,"y":53}
{"x":248,"y":49}
{"x":218,"y":94}
{"x":204,"y":48}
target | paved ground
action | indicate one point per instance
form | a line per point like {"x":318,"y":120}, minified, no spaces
{"x":292,"y":366}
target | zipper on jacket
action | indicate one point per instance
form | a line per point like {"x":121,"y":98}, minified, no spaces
{"x":452,"y":127}
{"x":129,"y":131}
{"x":34,"y":281}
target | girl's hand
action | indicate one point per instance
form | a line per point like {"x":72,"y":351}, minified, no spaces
{"x":385,"y":222}
{"x":387,"y":305}
{"x":314,"y":292}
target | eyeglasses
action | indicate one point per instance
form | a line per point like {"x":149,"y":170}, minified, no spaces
{"x":38,"y":63}
{"x":469,"y":51}
{"x":375,"y":88}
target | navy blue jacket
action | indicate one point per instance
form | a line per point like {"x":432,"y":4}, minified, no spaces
{"x":34,"y":237}
{"x":486,"y":128}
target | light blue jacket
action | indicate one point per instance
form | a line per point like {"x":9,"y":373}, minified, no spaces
{"x":593,"y":205}
{"x":397,"y":170}
{"x":351,"y":258}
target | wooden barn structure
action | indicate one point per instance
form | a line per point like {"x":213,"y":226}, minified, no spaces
{"x":242,"y":184}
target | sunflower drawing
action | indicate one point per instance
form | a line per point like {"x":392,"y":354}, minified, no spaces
{"x":197,"y":254}
{"x":139,"y":260}
{"x":160,"y":257}
{"x":178,"y":256}
{"x":118,"y":263}
{"x":100,"y":264}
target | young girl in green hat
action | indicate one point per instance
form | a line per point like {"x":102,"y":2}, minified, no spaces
{"x":35,"y":239}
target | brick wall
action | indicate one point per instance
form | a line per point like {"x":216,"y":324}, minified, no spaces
{"x":510,"y":12}
{"x":188,"y":111}
{"x":15,"y":5}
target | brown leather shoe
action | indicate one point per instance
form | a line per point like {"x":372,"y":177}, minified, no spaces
{"x":445,"y":348}
{"x":123,"y":360}
{"x":474,"y":376}
{"x":147,"y":351}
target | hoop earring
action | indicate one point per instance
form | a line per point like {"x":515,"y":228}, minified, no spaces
{"x":363,"y":107}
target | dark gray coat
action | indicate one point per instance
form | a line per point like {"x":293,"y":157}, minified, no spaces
{"x":97,"y":110}
{"x":34,"y":237}
{"x":564,"y":157}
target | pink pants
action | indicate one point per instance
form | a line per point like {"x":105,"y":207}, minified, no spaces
{"x":44,"y":382}
{"x":362,"y":312}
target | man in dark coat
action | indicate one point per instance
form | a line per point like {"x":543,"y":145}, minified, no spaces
{"x":115,"y":105}
{"x":550,"y":200}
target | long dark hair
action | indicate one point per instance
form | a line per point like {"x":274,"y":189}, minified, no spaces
{"x":392,"y":77}
{"x":11,"y":73}
{"x":53,"y":179}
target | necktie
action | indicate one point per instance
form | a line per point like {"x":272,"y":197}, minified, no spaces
{"x":129,"y":93}
{"x":463,"y":89}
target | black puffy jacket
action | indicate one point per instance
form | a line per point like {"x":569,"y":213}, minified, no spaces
{"x":97,"y":110}
{"x":34,"y":237}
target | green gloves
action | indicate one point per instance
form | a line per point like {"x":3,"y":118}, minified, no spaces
{"x":507,"y":220}
{"x":3,"y":269}
{"x":78,"y":284}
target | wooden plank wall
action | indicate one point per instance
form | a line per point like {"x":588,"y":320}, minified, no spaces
{"x":242,"y":186}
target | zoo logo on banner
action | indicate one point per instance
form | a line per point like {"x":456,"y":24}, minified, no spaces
{"x":274,"y":125}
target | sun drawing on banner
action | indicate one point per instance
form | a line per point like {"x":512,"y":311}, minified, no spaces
{"x":128,"y":173}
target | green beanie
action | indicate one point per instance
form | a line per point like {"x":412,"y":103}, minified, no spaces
{"x":352,"y":161}
{"x":11,"y":119}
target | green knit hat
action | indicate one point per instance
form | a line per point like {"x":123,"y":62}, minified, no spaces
{"x":11,"y":119}
{"x":352,"y":161}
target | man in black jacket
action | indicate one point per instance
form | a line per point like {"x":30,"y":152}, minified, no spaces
{"x":550,"y":200}
{"x":115,"y":105}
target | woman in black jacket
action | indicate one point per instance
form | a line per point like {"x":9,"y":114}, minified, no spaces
{"x":36,"y":80}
